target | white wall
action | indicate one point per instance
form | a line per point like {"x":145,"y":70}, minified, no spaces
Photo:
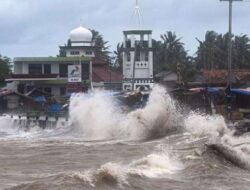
{"x":141,"y":73}
{"x":25,"y":68}
{"x":81,"y":53}
{"x":18,"y":68}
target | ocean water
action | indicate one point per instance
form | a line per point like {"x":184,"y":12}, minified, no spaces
{"x":106,"y":147}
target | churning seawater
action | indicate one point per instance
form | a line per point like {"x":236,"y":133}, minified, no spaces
{"x":106,"y":147}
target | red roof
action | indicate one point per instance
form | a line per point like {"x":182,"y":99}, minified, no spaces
{"x":98,"y":61}
{"x":220,"y":76}
{"x":104,"y":74}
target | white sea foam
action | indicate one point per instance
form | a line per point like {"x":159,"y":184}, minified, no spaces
{"x":201,"y":125}
{"x":99,"y":117}
{"x":156,"y":165}
{"x":236,"y":148}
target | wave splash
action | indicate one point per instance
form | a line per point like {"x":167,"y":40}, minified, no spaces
{"x":235,"y":149}
{"x":156,"y":165}
{"x":99,"y":117}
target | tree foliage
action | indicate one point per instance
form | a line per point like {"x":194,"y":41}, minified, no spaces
{"x":170,"y":55}
{"x":212,"y":53}
{"x":118,"y":57}
{"x":102,"y":46}
{"x":5,"y":68}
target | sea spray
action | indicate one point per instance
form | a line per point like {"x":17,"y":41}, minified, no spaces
{"x":205,"y":125}
{"x":155,"y":165}
{"x":99,"y":117}
{"x":220,"y":138}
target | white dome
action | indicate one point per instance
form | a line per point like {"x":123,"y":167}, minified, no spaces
{"x":81,"y":34}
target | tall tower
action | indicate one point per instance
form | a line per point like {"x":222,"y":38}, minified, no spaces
{"x":137,"y":57}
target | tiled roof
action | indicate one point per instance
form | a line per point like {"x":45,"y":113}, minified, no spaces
{"x":104,"y":74}
{"x":98,"y":61}
{"x":220,"y":76}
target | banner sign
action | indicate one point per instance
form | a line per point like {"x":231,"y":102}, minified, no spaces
{"x":74,"y":73}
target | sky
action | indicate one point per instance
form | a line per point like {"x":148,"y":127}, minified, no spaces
{"x":38,"y":27}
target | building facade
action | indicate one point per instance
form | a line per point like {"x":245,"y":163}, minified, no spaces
{"x":137,"y":60}
{"x":76,"y":69}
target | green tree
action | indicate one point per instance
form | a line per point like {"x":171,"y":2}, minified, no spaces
{"x":241,"y":52}
{"x":102,"y":46}
{"x":172,"y":51}
{"x":5,"y":68}
{"x":118,"y":64}
{"x":206,"y":51}
{"x":212,"y":53}
{"x":170,"y":55}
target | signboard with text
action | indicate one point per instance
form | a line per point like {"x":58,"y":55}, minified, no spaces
{"x":74,"y":73}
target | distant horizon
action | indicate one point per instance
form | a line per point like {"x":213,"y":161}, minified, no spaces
{"x":36,"y":29}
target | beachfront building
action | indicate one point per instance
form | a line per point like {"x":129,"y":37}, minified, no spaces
{"x":137,"y":60}
{"x":77,"y":68}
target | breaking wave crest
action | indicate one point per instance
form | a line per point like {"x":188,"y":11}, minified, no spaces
{"x":99,"y":117}
{"x":205,"y":125}
{"x":157,"y":165}
{"x":235,"y":149}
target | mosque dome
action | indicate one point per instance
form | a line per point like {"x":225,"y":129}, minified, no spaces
{"x":81,"y":34}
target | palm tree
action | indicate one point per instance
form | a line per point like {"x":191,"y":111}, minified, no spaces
{"x":172,"y":50}
{"x":5,"y":68}
{"x":241,"y":52}
{"x":102,"y":46}
{"x":118,"y":57}
{"x":206,"y":51}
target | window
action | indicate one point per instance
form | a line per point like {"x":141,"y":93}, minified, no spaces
{"x":128,"y":56}
{"x":35,"y":69}
{"x":63,"y":70}
{"x":137,"y":56}
{"x":47,"y":68}
{"x":89,"y":53}
{"x":146,"y":56}
{"x":74,"y":53}
{"x":48,"y":90}
{"x":62,"y":91}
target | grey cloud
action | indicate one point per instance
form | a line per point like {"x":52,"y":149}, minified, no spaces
{"x":36,"y":28}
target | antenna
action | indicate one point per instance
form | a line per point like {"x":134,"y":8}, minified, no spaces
{"x":137,"y":15}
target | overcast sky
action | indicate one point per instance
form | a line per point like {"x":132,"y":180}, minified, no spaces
{"x":38,"y":27}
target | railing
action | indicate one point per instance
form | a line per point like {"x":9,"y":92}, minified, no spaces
{"x":29,"y":76}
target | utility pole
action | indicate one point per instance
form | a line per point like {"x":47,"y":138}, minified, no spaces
{"x":230,"y":74}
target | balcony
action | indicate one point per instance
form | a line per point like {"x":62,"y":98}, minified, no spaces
{"x":138,"y":44}
{"x":32,"y":77}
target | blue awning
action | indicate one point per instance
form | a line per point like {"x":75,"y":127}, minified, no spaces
{"x":240,"y":91}
{"x":55,"y":108}
{"x":213,"y":90}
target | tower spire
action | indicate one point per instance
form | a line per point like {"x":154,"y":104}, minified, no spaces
{"x":137,"y":15}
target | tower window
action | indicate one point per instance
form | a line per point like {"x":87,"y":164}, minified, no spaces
{"x":137,"y":56}
{"x":146,"y":56}
{"x":128,"y":56}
